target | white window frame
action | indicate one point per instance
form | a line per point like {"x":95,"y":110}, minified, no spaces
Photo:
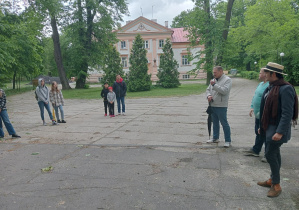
{"x":186,"y":76}
{"x":124,"y":62}
{"x":123,"y":45}
{"x":161,"y":43}
{"x":185,"y":61}
{"x":146,"y":46}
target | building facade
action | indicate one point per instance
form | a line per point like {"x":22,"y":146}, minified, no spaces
{"x":154,"y":36}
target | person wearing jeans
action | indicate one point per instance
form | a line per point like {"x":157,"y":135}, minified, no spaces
{"x":120,"y":90}
{"x":42,"y":93}
{"x":219,"y":115}
{"x":4,"y":117}
{"x":255,"y":109}
{"x":56,"y":98}
{"x":218,"y":94}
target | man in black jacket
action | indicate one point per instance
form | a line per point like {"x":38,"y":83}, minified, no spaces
{"x":279,"y":108}
{"x":120,"y":89}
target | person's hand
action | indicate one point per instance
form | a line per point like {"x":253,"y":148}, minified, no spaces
{"x":46,"y":102}
{"x":0,"y":110}
{"x":251,"y":112}
{"x":259,"y":131}
{"x":210,"y":98}
{"x":277,"y":137}
{"x":212,"y":81}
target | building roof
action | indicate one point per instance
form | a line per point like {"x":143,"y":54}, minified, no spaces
{"x":179,"y":35}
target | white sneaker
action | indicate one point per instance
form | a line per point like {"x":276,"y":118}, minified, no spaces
{"x":226,"y":144}
{"x":124,"y":114}
{"x":213,"y":141}
{"x":44,"y":123}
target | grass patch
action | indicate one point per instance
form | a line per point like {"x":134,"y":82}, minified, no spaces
{"x":155,"y":92}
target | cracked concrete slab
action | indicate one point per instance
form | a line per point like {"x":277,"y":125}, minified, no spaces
{"x":155,"y":157}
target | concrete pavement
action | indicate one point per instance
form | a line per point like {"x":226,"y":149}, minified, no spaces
{"x":155,"y":157}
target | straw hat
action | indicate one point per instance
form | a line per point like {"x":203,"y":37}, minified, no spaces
{"x":275,"y":67}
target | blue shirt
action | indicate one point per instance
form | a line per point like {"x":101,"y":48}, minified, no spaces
{"x":256,"y":100}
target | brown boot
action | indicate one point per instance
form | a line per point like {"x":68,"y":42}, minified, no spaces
{"x":267,"y":183}
{"x":274,"y":191}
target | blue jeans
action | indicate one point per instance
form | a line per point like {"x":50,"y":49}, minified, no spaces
{"x":259,"y":141}
{"x":4,"y":117}
{"x":123,"y":106}
{"x":61,"y":112}
{"x":220,"y":115}
{"x":43,"y":105}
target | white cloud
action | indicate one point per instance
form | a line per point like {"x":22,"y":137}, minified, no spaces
{"x":162,"y":10}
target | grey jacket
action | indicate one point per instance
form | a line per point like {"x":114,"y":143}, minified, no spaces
{"x":220,"y":91}
{"x":111,"y":97}
{"x":42,"y":92}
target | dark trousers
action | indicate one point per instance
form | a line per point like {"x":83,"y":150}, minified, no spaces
{"x":259,"y":141}
{"x":111,"y":108}
{"x":274,"y":159}
{"x":105,"y":106}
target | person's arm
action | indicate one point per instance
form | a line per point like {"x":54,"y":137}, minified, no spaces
{"x":225,"y":88}
{"x":62,"y":99}
{"x":125,"y":88}
{"x":287,"y":109}
{"x":102,"y":93}
{"x":52,"y":100}
{"x":2,"y":100}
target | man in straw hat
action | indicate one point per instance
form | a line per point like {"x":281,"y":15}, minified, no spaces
{"x":279,"y":107}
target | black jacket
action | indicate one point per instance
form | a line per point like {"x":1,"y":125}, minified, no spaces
{"x":120,"y":89}
{"x":284,"y":114}
{"x":104,"y":93}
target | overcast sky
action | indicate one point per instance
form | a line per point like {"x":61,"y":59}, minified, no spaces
{"x":163,"y":10}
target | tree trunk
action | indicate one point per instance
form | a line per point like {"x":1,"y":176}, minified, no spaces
{"x":14,"y":80}
{"x":225,"y":30}
{"x":57,"y":54}
{"x":80,"y":83}
{"x":208,"y":43}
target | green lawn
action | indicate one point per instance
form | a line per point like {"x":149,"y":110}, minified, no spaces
{"x":155,"y":92}
{"x":24,"y":87}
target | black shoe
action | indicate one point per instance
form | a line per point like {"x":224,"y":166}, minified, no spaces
{"x":59,"y":121}
{"x":15,"y":136}
{"x":63,"y":121}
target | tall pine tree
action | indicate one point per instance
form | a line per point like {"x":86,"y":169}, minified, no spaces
{"x":168,"y":69}
{"x":139,"y":80}
{"x":112,"y":66}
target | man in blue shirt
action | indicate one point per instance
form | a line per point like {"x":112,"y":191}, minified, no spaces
{"x":255,"y":108}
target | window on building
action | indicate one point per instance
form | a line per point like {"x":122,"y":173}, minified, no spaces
{"x":146,"y":44}
{"x":186,"y":76}
{"x":123,"y":45}
{"x":124,"y":61}
{"x":161,"y":43}
{"x":185,"y":61}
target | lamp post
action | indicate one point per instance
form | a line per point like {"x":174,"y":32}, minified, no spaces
{"x":281,"y":55}
{"x":255,"y":65}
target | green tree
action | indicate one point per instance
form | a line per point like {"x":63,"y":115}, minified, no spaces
{"x":271,"y":27}
{"x":91,"y":32}
{"x":168,"y":69}
{"x":139,"y":80}
{"x":113,"y":66}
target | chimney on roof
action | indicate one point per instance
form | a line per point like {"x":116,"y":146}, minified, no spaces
{"x":154,"y":20}
{"x":166,"y":24}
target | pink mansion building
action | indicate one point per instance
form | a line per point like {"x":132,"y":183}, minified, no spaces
{"x":154,"y":36}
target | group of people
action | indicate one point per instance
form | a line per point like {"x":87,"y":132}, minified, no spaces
{"x":115,"y":93}
{"x":275,"y":106}
{"x":53,"y":96}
